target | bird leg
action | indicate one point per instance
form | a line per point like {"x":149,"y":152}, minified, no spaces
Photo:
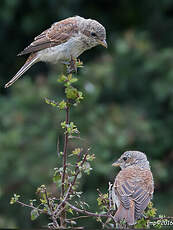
{"x":71,"y":65}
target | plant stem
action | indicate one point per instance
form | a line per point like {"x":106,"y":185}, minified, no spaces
{"x":87,"y":212}
{"x":65,"y":152}
{"x":63,"y":215}
{"x":108,"y":215}
{"x":30,"y":206}
{"x":62,"y":204}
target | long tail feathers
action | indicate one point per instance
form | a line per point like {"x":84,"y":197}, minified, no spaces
{"x":125,"y":214}
{"x":30,"y":61}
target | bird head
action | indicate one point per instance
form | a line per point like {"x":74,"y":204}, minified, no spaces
{"x":132,"y":158}
{"x":94,"y":32}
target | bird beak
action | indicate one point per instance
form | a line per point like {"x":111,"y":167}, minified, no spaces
{"x":116,"y":163}
{"x":103,"y":43}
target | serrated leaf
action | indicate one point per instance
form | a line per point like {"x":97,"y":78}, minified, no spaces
{"x":56,"y":178}
{"x":71,"y":93}
{"x":76,"y":151}
{"x":34,"y":214}
{"x":74,"y":79}
{"x":62,"y":78}
{"x":70,"y":210}
{"x":62,"y":105}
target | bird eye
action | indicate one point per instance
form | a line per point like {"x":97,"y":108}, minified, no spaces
{"x":93,"y":34}
{"x":124,"y":158}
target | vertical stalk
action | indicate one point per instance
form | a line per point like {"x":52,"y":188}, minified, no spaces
{"x":63,"y":215}
{"x":65,"y":152}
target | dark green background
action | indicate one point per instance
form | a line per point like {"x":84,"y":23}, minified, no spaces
{"x":128,"y":102}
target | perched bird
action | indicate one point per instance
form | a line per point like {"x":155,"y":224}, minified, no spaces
{"x":63,"y":41}
{"x":133,"y":187}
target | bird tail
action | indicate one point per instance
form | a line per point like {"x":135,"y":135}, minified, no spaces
{"x":32,"y":59}
{"x":125,"y":214}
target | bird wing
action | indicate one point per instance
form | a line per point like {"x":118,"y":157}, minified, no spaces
{"x":57,"y":34}
{"x":134,"y":184}
{"x":124,"y":190}
{"x":143,"y":192}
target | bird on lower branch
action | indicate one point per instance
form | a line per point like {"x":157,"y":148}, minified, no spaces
{"x":133,"y":187}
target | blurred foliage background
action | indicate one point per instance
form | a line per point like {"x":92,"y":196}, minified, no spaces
{"x":128,"y":102}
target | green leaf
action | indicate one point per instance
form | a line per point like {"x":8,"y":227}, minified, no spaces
{"x":71,"y":93}
{"x":56,"y":178}
{"x":62,"y":78}
{"x":51,"y":102}
{"x":63,"y":124}
{"x":14,"y":199}
{"x":34,"y":214}
{"x":62,"y":105}
{"x":70,"y":210}
{"x":74,"y":79}
{"x":76,"y":151}
{"x":90,"y":157}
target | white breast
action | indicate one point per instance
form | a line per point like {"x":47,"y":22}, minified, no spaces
{"x":73,"y":47}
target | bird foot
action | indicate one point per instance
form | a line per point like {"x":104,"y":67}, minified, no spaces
{"x":71,"y":65}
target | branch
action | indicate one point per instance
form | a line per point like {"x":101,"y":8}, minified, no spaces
{"x":70,"y":186}
{"x":53,"y":217}
{"x":65,"y":152}
{"x":78,"y":217}
{"x":87,"y":212}
{"x":47,"y":198}
{"x":31,"y":206}
{"x":62,"y":218}
{"x":57,"y":147}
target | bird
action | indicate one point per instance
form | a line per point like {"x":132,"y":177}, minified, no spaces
{"x":133,"y":187}
{"x":65,"y":40}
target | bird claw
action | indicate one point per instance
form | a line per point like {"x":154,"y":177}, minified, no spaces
{"x":71,"y":65}
{"x":65,"y":62}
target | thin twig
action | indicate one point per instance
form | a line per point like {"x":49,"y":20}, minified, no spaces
{"x":53,"y":217}
{"x":87,"y":212}
{"x":108,"y":215}
{"x":78,"y":217}
{"x":57,"y":211}
{"x":63,"y":216}
{"x":31,"y":206}
{"x":65,"y":152}
{"x":57,"y":147}
{"x":47,"y":199}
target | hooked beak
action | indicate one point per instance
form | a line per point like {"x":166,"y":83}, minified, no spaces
{"x":103,"y":43}
{"x":116,"y":163}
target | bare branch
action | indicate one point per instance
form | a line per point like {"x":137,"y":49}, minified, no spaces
{"x":86,"y":212}
{"x":65,"y":152}
{"x":108,"y":215}
{"x":70,"y":186}
{"x":31,"y":206}
{"x":64,"y":163}
{"x":57,"y":147}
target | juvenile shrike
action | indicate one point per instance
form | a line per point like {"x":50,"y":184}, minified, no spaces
{"x":133,"y":187}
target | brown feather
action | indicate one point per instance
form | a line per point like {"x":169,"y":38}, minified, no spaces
{"x":133,"y":184}
{"x":125,"y":214}
{"x":32,"y":59}
{"x":57,"y":34}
